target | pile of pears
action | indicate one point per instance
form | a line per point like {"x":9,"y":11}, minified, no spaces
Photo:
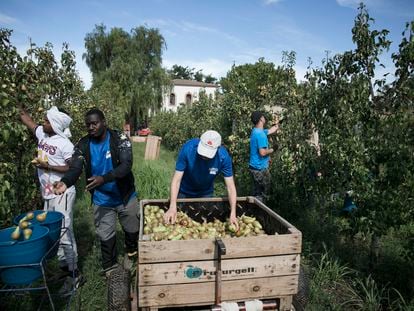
{"x":185,"y":228}
{"x":24,"y":224}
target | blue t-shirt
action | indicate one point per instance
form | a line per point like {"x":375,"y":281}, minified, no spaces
{"x":101,"y":161}
{"x":199,"y":174}
{"x":258,"y":140}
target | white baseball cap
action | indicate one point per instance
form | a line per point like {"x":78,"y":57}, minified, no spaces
{"x":210,"y":141}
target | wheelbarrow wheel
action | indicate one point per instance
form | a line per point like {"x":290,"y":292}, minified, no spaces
{"x":301,"y":298}
{"x":119,"y":290}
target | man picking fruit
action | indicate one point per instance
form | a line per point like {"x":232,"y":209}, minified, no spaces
{"x":54,"y":151}
{"x":106,"y":156}
{"x":199,"y":162}
{"x":259,"y":155}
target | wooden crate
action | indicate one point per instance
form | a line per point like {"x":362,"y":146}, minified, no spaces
{"x":182,"y":273}
{"x":152,"y":148}
{"x":138,"y":139}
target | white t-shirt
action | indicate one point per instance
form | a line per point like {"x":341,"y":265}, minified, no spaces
{"x":55,"y":150}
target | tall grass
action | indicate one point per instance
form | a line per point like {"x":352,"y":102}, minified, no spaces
{"x":328,"y":282}
{"x":366,"y":295}
{"x":334,"y":286}
{"x":153,"y":177}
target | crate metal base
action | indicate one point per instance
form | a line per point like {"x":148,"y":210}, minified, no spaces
{"x":282,"y":303}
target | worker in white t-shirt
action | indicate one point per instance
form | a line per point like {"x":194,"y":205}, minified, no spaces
{"x":54,"y":151}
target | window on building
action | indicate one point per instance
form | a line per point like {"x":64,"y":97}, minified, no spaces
{"x":172,"y":99}
{"x":188,"y":99}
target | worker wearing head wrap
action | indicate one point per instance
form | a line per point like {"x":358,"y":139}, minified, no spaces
{"x":54,"y":151}
{"x":59,"y":121}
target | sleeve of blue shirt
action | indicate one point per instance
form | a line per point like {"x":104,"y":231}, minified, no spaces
{"x":262,"y":141}
{"x":227,"y":169}
{"x":181,"y":163}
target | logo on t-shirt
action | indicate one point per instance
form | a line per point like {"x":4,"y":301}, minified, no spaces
{"x":46,"y":147}
{"x":108,"y":154}
{"x":213,"y":170}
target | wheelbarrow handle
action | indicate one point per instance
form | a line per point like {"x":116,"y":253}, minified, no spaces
{"x":221,"y":250}
{"x":220,"y":247}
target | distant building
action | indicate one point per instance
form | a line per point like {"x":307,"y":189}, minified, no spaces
{"x":185,"y":92}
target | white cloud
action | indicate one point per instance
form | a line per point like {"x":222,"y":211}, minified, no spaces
{"x":174,"y":27}
{"x":216,"y":67}
{"x":157,"y":22}
{"x":7,"y":20}
{"x":192,"y":27}
{"x":268,"y":2}
{"x":188,"y":26}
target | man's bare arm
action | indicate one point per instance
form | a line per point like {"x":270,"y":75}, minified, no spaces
{"x":27,"y":120}
{"x":265,"y":151}
{"x":171,"y":214}
{"x":232,"y":194}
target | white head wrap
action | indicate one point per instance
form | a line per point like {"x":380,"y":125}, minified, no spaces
{"x":59,"y":121}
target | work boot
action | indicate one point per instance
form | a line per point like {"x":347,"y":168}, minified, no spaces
{"x":131,"y":243}
{"x":72,"y":283}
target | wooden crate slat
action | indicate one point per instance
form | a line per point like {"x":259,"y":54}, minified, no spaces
{"x":203,"y":293}
{"x":152,"y":147}
{"x":204,"y":249}
{"x":204,"y":271}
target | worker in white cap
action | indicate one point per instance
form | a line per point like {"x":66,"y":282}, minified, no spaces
{"x":199,"y":162}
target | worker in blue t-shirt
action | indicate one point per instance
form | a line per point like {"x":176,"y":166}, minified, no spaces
{"x":199,"y":162}
{"x":106,"y":157}
{"x":259,"y":154}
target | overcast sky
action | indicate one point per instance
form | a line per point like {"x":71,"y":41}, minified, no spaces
{"x":208,"y":35}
